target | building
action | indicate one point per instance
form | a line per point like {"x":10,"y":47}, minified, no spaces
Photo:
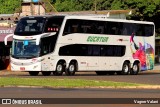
{"x":116,"y":14}
{"x":5,"y":50}
{"x":32,"y":8}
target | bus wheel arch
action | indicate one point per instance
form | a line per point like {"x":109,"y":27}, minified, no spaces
{"x":125,"y":68}
{"x":72,"y":68}
{"x":135,"y":68}
{"x":60,"y":67}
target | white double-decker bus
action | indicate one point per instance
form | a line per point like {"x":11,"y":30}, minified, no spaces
{"x":68,"y":43}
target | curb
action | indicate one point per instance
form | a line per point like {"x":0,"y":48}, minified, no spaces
{"x":87,"y":87}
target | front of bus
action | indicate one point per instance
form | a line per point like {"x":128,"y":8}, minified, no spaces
{"x":25,"y":54}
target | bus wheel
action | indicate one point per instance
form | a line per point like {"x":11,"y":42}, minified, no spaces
{"x":71,"y":69}
{"x":135,"y":68}
{"x":125,"y":68}
{"x":101,"y":72}
{"x":59,"y":69}
{"x":33,"y":73}
{"x":46,"y":73}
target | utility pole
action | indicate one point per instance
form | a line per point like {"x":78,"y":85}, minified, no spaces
{"x":38,"y":7}
{"x":95,"y":6}
{"x":31,"y":6}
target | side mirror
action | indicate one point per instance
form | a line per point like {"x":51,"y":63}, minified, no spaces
{"x":5,"y":39}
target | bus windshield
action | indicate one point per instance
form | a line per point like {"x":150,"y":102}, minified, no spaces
{"x":30,"y":26}
{"x":25,"y":49}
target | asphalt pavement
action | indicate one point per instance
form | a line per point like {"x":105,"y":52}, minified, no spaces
{"x":82,"y":93}
{"x":148,"y":77}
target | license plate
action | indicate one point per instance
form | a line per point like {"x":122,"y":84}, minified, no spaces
{"x":22,"y":68}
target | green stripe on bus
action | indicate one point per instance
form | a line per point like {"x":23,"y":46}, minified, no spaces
{"x":97,"y":39}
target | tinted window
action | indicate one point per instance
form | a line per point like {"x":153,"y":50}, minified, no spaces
{"x":112,"y":50}
{"x":53,"y":24}
{"x":48,"y":44}
{"x":30,"y":26}
{"x":84,"y":26}
{"x":92,"y":50}
{"x":107,"y":27}
{"x":73,"y":50}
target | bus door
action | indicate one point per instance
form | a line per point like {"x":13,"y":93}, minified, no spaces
{"x":45,"y":53}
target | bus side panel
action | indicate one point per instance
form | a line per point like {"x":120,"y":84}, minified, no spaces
{"x":46,"y":65}
{"x":142,"y":48}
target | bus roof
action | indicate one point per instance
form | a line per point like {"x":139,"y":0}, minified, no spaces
{"x":105,"y":18}
{"x":43,"y":16}
{"x":91,"y":17}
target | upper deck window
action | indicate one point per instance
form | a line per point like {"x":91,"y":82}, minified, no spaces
{"x":107,"y":27}
{"x":53,"y":24}
{"x":30,"y":26}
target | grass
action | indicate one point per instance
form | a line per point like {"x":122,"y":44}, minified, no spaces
{"x":68,"y":83}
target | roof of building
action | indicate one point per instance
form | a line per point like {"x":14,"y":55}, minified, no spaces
{"x":96,"y":12}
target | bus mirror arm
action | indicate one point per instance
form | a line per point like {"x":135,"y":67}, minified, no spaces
{"x":5,"y":39}
{"x":43,"y":35}
{"x":38,"y":38}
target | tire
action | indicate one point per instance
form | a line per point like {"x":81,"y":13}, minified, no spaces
{"x":72,"y":68}
{"x":135,"y":69}
{"x":125,"y":69}
{"x":46,"y":73}
{"x":59,"y":69}
{"x":101,"y":72}
{"x":33,"y":73}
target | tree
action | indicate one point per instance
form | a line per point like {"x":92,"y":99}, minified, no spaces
{"x":65,"y":5}
{"x":142,"y":10}
{"x":9,"y":6}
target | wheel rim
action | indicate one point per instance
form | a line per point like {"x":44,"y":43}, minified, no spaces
{"x":71,"y":68}
{"x":59,"y":68}
{"x":126,"y":68}
{"x":135,"y":68}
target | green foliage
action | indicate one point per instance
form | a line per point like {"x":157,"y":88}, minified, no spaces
{"x":83,"y":5}
{"x":67,"y":83}
{"x":143,"y":9}
{"x":64,"y":5}
{"x":9,"y":6}
{"x":116,"y":5}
